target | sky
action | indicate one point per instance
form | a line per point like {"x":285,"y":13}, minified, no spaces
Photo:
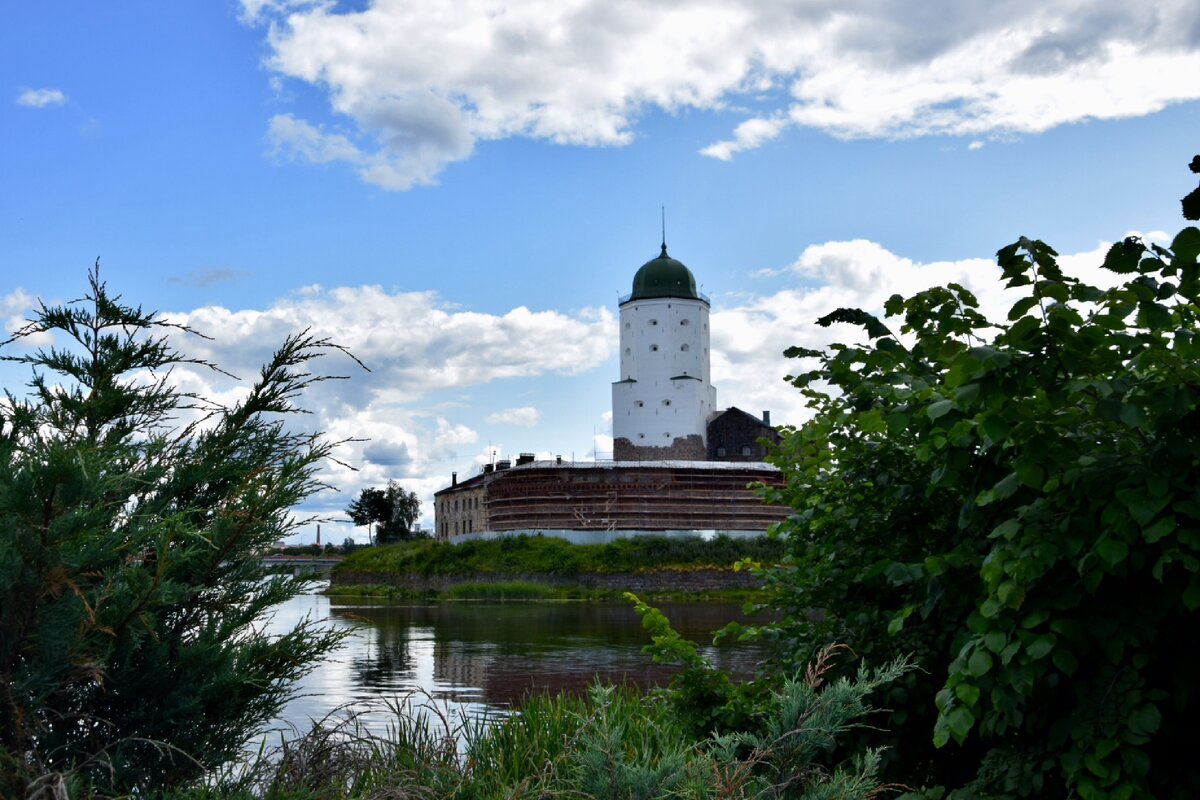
{"x":459,"y":192}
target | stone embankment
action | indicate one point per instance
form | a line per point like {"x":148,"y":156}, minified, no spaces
{"x":660,"y":580}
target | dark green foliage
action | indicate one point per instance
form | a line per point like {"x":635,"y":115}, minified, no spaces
{"x":1016,"y":503}
{"x":530,"y":555}
{"x":393,"y":511}
{"x":131,"y":595}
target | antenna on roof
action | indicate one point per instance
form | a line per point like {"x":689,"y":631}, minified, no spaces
{"x":664,"y":230}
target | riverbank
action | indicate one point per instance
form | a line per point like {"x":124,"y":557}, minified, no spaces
{"x":546,"y":568}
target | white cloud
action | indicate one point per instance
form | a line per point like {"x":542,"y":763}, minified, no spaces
{"x":16,"y":308}
{"x":414,"y":346}
{"x":523,"y":417}
{"x":750,"y":334}
{"x":421,"y":81}
{"x":41,"y":98}
{"x":749,"y":135}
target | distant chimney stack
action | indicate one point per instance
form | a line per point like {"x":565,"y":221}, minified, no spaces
{"x":558,"y":459}
{"x":766,"y":418}
{"x":525,"y":458}
{"x":454,"y":479}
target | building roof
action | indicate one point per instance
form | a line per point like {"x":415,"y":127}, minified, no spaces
{"x":670,"y":464}
{"x":663,"y":277}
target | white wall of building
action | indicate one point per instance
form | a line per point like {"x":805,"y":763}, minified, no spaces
{"x":663,"y":339}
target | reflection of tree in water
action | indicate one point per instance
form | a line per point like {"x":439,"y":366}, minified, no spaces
{"x":384,"y":659}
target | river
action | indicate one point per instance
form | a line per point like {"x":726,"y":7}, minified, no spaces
{"x":477,"y":660}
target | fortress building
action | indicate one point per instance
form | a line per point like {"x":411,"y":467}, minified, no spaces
{"x":680,"y":465}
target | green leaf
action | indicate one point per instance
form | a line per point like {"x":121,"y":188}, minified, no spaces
{"x":995,"y":641}
{"x":1145,"y":720}
{"x":1143,"y":504}
{"x":967,"y":692}
{"x":1006,"y":487}
{"x":1186,"y":245}
{"x":1011,"y":594}
{"x":979,"y":663}
{"x":959,"y":721}
{"x":1040,"y":647}
{"x":939,"y":408}
{"x":1065,"y":661}
{"x":1159,"y":529}
{"x":1020,"y":307}
{"x":1112,"y":551}
{"x":1006,"y":530}
{"x":1191,"y":595}
{"x":1123,"y":257}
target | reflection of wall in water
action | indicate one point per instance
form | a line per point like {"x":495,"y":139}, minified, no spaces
{"x":462,"y":664}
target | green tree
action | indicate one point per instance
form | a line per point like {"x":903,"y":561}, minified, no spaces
{"x":1015,"y":502}
{"x":132,"y":652}
{"x":393,"y":511}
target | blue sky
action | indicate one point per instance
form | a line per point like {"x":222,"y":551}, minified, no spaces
{"x":459,"y":192}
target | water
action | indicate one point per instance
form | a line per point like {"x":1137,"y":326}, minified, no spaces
{"x":480,"y":659}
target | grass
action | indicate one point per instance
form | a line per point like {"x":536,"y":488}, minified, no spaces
{"x":537,"y":555}
{"x":615,"y":742}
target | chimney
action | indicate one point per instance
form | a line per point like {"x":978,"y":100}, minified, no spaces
{"x":503,"y":463}
{"x":487,"y":468}
{"x":525,"y":458}
{"x":766,"y":418}
{"x":558,"y":459}
{"x":454,"y":479}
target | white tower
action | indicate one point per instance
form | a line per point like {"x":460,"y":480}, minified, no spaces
{"x":663,"y":400}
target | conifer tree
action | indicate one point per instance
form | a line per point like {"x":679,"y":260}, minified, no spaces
{"x":132,"y":599}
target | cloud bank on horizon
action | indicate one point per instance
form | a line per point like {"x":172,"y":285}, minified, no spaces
{"x":396,"y":424}
{"x":413,"y":86}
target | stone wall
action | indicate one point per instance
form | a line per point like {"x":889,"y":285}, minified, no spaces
{"x":666,"y":580}
{"x":689,"y":448}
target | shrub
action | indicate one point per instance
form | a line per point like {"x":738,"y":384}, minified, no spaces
{"x":131,"y":592}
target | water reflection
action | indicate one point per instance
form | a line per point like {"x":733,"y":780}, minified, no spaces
{"x":478,"y":659}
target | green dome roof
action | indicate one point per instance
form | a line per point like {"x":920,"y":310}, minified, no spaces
{"x":664,"y":277}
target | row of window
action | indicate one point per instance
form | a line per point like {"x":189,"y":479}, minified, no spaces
{"x":460,"y":527}
{"x":654,"y":322}
{"x":468,"y":503}
{"x":654,"y":349}
{"x":640,"y":404}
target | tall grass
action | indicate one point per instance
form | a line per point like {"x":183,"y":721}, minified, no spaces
{"x":615,"y":743}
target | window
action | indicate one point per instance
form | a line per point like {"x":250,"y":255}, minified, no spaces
{"x":685,"y":322}
{"x":653,"y":348}
{"x":666,"y":402}
{"x":626,"y":326}
{"x":627,"y":351}
{"x":720,"y":452}
{"x":667,"y":434}
{"x":653,"y":322}
{"x":639,"y":403}
{"x":641,"y":436}
{"x":746,"y":450}
{"x":684,"y":348}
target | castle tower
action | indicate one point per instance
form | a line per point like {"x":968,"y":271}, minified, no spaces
{"x":663,"y":400}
